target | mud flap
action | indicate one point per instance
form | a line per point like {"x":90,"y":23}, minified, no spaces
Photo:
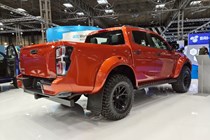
{"x":95,"y":103}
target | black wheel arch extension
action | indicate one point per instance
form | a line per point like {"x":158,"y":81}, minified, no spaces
{"x":126,"y":71}
{"x":188,"y":64}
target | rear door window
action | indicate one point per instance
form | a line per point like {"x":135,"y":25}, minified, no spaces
{"x":108,"y":37}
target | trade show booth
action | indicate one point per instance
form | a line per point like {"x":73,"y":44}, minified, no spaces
{"x":203,"y":73}
{"x":195,"y":42}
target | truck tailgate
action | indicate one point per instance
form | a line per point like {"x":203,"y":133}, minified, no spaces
{"x":38,"y":61}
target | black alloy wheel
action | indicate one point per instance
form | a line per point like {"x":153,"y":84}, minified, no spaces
{"x":187,"y":80}
{"x":121,"y":98}
{"x":117,"y":97}
{"x":183,"y":82}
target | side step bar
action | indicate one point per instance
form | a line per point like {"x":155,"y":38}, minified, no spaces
{"x":150,"y":84}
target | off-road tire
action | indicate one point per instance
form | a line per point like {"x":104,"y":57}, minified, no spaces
{"x":183,"y":82}
{"x":112,"y":98}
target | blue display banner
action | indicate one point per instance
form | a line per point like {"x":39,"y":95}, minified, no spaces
{"x":198,"y":38}
{"x":56,"y":33}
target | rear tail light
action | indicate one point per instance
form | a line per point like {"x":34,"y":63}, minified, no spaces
{"x":61,"y":68}
{"x":60,"y":52}
{"x":63,"y":61}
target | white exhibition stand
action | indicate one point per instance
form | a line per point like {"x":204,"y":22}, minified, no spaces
{"x":203,"y":74}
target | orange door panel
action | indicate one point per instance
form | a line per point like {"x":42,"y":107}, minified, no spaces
{"x":147,"y":64}
{"x":168,"y":61}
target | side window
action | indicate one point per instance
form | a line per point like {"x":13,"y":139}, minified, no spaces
{"x":158,"y":42}
{"x":109,"y":38}
{"x":140,"y":38}
{"x":1,"y":57}
{"x":11,"y":52}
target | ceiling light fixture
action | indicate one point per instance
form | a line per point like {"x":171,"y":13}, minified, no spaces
{"x":109,"y":11}
{"x":68,"y":5}
{"x":21,"y":10}
{"x":160,"y":6}
{"x":102,"y":1}
{"x":80,"y":13}
{"x":196,"y":2}
{"x":1,"y":24}
{"x":38,"y":17}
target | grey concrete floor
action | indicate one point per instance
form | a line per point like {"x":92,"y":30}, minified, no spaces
{"x":160,"y":114}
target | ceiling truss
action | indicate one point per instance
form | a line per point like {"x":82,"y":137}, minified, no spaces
{"x":96,"y":14}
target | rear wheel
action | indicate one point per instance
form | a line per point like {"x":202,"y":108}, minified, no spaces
{"x":183,"y":82}
{"x":117,"y":97}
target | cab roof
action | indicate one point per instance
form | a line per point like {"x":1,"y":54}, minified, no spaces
{"x":120,"y":28}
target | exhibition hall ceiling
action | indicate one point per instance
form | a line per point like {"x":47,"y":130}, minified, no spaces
{"x":108,"y":13}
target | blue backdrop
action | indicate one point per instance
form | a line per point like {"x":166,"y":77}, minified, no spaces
{"x":56,"y":33}
{"x":198,"y":38}
{"x":196,"y":41}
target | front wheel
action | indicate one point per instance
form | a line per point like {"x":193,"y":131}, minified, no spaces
{"x":118,"y":97}
{"x":183,"y":82}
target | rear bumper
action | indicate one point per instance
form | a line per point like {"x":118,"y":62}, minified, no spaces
{"x":64,"y":98}
{"x":42,"y":86}
{"x":57,"y":99}
{"x":59,"y":86}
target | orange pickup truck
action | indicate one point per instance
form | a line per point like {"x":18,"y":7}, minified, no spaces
{"x":107,"y":68}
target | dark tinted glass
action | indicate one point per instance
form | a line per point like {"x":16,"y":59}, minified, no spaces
{"x":158,"y":42}
{"x":109,"y":38}
{"x":140,"y":38}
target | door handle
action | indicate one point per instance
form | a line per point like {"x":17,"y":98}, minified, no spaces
{"x":137,"y":52}
{"x":34,"y":51}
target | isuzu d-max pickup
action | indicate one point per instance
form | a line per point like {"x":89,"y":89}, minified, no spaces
{"x":107,"y":68}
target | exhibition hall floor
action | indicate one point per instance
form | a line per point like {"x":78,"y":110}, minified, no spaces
{"x":159,"y":115}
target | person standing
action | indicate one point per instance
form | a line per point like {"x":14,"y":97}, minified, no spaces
{"x":203,"y":51}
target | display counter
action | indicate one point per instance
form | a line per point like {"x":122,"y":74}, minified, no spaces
{"x":203,"y":73}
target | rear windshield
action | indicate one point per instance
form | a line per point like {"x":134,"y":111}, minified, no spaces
{"x":109,"y":38}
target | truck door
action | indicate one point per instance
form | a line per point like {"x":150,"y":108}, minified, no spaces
{"x":166,"y":57}
{"x":147,"y":65}
{"x":11,"y":60}
{"x":2,"y":65}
